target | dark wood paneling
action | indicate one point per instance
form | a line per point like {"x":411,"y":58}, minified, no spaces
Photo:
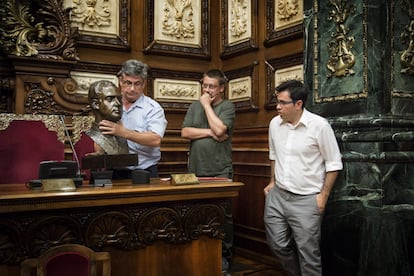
{"x":250,"y":148}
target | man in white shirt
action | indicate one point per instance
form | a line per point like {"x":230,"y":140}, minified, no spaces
{"x":305,"y":160}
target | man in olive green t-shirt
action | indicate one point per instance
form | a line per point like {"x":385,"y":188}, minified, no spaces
{"x":209,"y":125}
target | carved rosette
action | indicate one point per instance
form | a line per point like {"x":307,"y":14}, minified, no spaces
{"x":205,"y":220}
{"x":109,"y":229}
{"x":160,"y":224}
{"x":52,"y":231}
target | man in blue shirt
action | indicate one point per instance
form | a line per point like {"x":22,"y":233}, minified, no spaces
{"x":143,"y":120}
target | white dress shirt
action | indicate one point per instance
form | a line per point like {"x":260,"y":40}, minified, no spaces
{"x":303,"y":153}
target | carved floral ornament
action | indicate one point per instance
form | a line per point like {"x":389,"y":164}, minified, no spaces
{"x":91,"y":13}
{"x":37,"y":29}
{"x":239,"y":19}
{"x":341,"y":58}
{"x":52,"y":122}
{"x":177,"y":20}
{"x":407,"y":38}
{"x":287,"y":13}
{"x":286,"y":9}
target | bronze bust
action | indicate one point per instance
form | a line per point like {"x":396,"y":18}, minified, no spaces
{"x":106,"y":103}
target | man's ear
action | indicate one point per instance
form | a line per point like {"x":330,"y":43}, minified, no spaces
{"x":95,"y":104}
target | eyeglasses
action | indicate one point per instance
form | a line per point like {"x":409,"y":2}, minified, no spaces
{"x":130,"y":84}
{"x":285,"y":102}
{"x":209,"y":86}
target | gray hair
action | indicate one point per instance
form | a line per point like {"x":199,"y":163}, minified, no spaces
{"x":133,"y":67}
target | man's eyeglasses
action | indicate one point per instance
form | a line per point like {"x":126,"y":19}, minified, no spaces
{"x":209,"y":86}
{"x":285,"y":102}
{"x":130,"y":84}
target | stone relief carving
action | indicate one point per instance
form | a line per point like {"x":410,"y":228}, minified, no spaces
{"x":341,"y":58}
{"x":238,"y":18}
{"x":287,"y":13}
{"x":287,"y":9}
{"x":290,"y":73}
{"x":84,"y":80}
{"x":240,"y":88}
{"x":37,"y":29}
{"x":178,"y":19}
{"x":95,"y":17}
{"x":407,"y":37}
{"x":91,"y":14}
{"x":176,"y":90}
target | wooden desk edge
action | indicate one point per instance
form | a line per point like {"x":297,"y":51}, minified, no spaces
{"x":31,"y":200}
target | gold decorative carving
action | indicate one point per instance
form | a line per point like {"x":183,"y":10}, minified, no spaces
{"x":341,"y":58}
{"x":37,"y":28}
{"x":184,"y":179}
{"x":52,"y":122}
{"x":39,"y":100}
{"x":407,"y":37}
{"x":80,"y":125}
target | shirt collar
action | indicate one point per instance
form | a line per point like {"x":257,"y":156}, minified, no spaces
{"x":139,"y":103}
{"x":305,"y":118}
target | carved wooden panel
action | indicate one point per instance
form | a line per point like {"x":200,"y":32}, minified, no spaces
{"x":128,"y":227}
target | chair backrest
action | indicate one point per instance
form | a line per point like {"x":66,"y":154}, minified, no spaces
{"x":68,"y":260}
{"x":25,"y":141}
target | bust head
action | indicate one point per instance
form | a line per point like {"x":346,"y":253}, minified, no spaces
{"x":105,"y":100}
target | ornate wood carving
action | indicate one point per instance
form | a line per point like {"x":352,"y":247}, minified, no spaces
{"x":126,"y":227}
{"x":37,"y":29}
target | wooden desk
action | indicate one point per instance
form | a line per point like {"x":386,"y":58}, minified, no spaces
{"x":154,"y":229}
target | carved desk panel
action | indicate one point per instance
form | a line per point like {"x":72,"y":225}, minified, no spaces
{"x":143,"y":220}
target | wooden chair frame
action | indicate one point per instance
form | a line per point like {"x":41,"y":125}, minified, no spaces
{"x":93,"y":257}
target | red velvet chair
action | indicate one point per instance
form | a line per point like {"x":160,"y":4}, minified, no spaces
{"x":25,"y":141}
{"x":69,"y":260}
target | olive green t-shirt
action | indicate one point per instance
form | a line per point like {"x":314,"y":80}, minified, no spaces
{"x":209,"y":157}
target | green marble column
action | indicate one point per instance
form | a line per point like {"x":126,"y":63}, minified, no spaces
{"x":359,"y":62}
